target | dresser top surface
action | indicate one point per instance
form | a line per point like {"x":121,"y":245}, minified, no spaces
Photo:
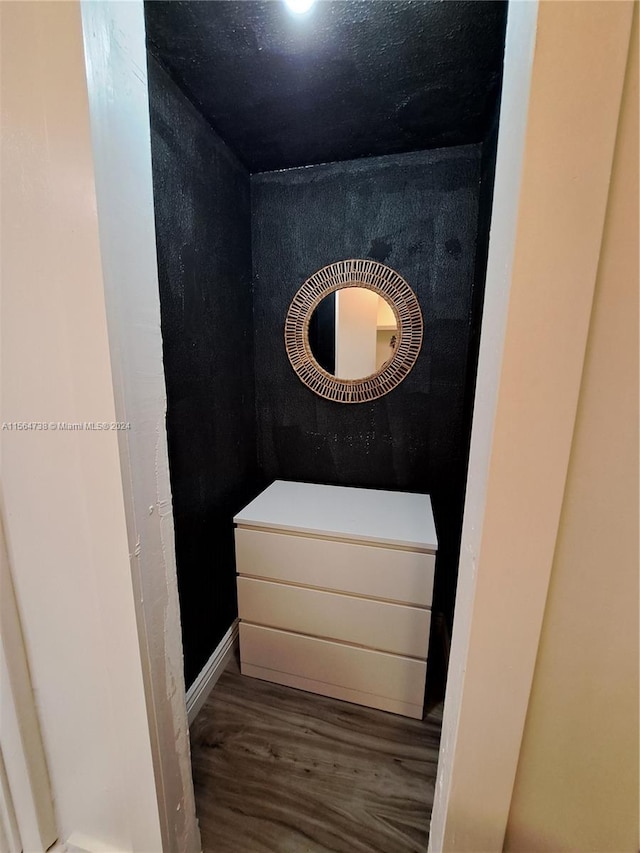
{"x":340,"y":512}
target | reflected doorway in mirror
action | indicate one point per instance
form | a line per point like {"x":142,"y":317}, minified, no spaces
{"x":353,"y":333}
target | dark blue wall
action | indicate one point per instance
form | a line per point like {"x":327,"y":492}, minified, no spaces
{"x":203,"y":232}
{"x":238,"y":417}
{"x":418,"y":213}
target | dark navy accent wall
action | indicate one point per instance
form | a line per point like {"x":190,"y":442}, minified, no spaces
{"x":418,"y":213}
{"x":202,"y":208}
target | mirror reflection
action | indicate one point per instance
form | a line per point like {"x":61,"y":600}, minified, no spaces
{"x":353,"y":333}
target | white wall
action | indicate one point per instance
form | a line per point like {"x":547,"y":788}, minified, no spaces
{"x":577,"y":781}
{"x":564,"y":70}
{"x":62,"y":490}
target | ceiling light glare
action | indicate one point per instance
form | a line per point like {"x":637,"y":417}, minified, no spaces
{"x":299,"y":7}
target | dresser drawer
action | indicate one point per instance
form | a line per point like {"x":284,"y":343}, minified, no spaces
{"x":379,"y":625}
{"x":377,"y":572}
{"x":363,"y":676}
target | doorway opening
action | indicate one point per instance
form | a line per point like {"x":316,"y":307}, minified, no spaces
{"x":283,"y":142}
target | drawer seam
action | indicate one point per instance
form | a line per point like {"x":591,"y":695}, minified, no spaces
{"x":346,"y":593}
{"x":333,"y":640}
{"x":301,"y":534}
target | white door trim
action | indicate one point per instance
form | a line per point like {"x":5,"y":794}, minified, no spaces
{"x":26,"y":804}
{"x":564,"y":72}
{"x":116,"y":61}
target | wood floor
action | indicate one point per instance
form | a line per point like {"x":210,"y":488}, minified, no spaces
{"x":277,"y":770}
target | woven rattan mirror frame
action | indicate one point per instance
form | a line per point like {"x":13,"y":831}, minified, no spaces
{"x":353,"y":273}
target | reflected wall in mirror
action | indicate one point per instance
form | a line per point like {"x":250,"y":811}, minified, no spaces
{"x":353,"y":331}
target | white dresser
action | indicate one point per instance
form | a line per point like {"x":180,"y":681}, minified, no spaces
{"x":334,"y":592}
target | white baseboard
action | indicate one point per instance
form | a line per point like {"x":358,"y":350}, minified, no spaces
{"x":80,"y":843}
{"x":198,"y":692}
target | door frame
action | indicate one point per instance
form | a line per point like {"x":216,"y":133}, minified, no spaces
{"x":562,"y":61}
{"x":116,"y":63}
{"x":564,"y":71}
{"x":27,"y":818}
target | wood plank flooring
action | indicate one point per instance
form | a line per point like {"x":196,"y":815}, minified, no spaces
{"x":277,"y":770}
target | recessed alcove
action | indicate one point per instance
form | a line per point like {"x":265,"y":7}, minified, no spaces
{"x":96,"y":614}
{"x":280,"y":145}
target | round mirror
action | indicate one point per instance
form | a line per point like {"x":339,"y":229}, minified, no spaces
{"x":353,"y":333}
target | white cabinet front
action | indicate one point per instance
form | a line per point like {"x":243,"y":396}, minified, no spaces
{"x":366,"y":622}
{"x":334,"y":592}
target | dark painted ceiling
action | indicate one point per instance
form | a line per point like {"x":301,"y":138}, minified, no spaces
{"x":351,"y":78}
